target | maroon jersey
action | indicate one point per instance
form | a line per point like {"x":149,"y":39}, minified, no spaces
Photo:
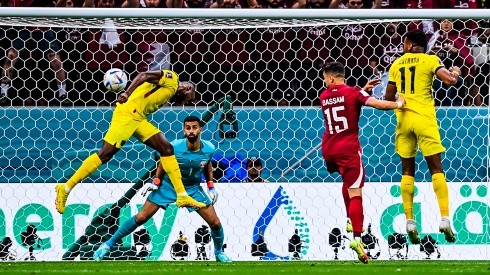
{"x":353,"y":45}
{"x":457,"y":40}
{"x":315,"y":44}
{"x":341,"y":108}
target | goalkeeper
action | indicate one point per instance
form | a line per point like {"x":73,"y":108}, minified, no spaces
{"x":194,"y":158}
{"x":146,"y":94}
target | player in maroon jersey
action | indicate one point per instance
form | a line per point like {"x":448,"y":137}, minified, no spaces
{"x":341,"y":149}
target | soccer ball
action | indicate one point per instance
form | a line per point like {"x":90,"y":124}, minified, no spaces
{"x":115,"y":80}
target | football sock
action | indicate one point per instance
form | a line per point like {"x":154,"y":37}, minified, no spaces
{"x":61,"y":89}
{"x":356,"y":215}
{"x":345,"y":195}
{"x":88,"y":166}
{"x":125,"y":229}
{"x":407,"y":186}
{"x":218,"y":238}
{"x":440,"y":188}
{"x":171,"y":167}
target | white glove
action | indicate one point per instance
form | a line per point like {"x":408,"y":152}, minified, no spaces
{"x":152,"y":186}
{"x":213,"y":194}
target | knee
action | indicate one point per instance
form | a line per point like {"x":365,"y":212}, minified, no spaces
{"x":166,"y":149}
{"x":215,"y":224}
{"x":141,"y":218}
{"x":104,"y":156}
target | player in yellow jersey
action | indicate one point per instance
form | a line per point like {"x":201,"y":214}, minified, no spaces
{"x":146,"y":94}
{"x":411,"y":75}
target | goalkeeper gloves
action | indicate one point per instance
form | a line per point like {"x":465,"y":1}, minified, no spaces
{"x":154,"y":185}
{"x":213,"y":194}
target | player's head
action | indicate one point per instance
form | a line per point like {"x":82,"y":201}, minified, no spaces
{"x":415,"y":42}
{"x":192,"y":128}
{"x":185,"y":94}
{"x":333,"y":73}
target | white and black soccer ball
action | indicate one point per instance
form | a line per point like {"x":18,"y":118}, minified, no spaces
{"x":115,"y":80}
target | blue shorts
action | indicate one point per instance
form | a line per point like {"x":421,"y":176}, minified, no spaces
{"x":166,"y":195}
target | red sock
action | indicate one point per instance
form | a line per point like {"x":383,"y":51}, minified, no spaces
{"x":356,"y":214}
{"x":345,"y":195}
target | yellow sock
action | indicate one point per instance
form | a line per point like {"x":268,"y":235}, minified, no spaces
{"x":88,"y":166}
{"x":171,"y":167}
{"x":407,"y":186}
{"x":440,"y":188}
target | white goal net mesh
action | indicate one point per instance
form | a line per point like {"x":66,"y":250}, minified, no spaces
{"x":257,"y":83}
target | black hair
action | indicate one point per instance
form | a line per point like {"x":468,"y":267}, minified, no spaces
{"x":334,"y":68}
{"x":417,"y":37}
{"x":192,"y":119}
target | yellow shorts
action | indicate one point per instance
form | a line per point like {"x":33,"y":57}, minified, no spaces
{"x":123,"y":126}
{"x":413,"y":129}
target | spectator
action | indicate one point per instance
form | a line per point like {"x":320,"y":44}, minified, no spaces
{"x":45,"y":40}
{"x":254,"y":170}
{"x":449,"y":45}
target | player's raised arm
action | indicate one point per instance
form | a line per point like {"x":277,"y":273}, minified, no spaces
{"x":151,"y":77}
{"x":449,"y":77}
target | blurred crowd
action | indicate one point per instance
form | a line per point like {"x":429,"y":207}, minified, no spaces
{"x":257,"y":66}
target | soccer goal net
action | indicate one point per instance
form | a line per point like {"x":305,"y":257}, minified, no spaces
{"x":258,"y":76}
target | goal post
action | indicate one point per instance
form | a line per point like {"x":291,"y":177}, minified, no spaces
{"x":257,"y":74}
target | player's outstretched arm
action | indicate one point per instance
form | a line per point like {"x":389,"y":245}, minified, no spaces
{"x":152,"y":77}
{"x":449,"y":77}
{"x":384,"y":104}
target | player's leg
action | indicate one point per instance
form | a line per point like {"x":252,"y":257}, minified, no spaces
{"x":407,"y":188}
{"x":406,"y":147}
{"x":442,"y":193}
{"x":431,"y":147}
{"x":352,"y":171}
{"x":89,"y":166}
{"x":119,"y":132}
{"x":149,"y":209}
{"x":151,"y":136}
{"x":208,"y":213}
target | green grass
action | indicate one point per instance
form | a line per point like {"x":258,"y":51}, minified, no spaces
{"x":256,"y":268}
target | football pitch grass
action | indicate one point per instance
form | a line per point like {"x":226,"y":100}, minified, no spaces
{"x":258,"y":268}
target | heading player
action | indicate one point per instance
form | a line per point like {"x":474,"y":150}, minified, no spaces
{"x":146,"y":94}
{"x":341,"y":149}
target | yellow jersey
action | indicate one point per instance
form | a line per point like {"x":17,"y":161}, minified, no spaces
{"x":148,"y":97}
{"x":413,"y":74}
